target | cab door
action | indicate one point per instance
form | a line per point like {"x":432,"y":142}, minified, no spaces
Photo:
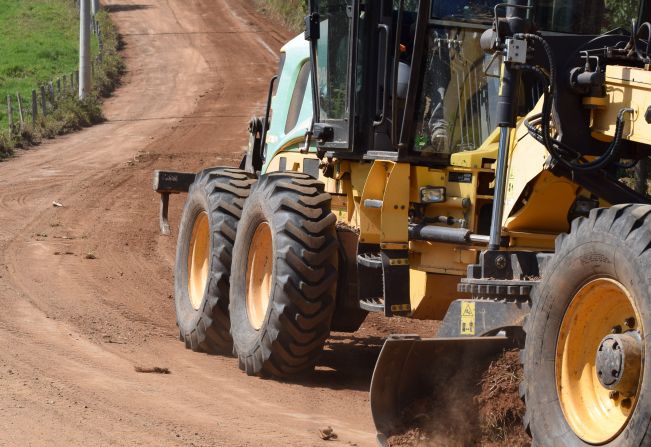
{"x":328,"y":28}
{"x":361,"y":52}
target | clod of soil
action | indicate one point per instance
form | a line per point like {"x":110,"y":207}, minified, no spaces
{"x":489,"y":415}
{"x":327,"y":434}
{"x":154,"y":370}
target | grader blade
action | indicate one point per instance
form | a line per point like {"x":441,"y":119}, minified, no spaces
{"x":410,"y":368}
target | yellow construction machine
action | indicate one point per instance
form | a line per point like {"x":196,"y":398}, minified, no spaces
{"x":452,"y":160}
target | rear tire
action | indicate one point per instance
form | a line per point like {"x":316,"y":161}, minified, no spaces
{"x":597,"y":279}
{"x":283,"y":294}
{"x":348,"y":316}
{"x":203,"y":258}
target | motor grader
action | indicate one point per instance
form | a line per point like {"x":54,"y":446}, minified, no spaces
{"x":452,"y":160}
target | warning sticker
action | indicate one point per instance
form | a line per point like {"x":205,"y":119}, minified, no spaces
{"x":467,"y":318}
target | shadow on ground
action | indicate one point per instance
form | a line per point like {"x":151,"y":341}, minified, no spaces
{"x":125,"y":8}
{"x":346,"y":363}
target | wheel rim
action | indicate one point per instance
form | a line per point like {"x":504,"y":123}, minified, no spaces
{"x":199,"y":259}
{"x":595,"y":412}
{"x":258,"y":275}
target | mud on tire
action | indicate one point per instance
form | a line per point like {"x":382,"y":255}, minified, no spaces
{"x":218,"y":196}
{"x":302,"y":280}
{"x":611,"y":246}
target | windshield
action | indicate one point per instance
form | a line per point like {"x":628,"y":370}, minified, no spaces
{"x":585,"y":17}
{"x":459,"y":87}
{"x":563,"y":16}
{"x":458,"y":102}
{"x":467,"y":10}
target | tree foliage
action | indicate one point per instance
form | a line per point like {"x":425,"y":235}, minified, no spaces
{"x":620,"y":13}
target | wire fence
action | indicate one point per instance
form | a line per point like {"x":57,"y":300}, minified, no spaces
{"x":46,"y":97}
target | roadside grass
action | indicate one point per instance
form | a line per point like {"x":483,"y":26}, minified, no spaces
{"x":40,"y":41}
{"x":289,"y":12}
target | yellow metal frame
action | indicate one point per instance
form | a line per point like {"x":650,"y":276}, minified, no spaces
{"x":434,"y":267}
{"x":388,"y":183}
{"x":537,"y":202}
{"x":626,"y":87}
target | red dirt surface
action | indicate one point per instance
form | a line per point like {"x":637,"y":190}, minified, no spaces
{"x":86,"y":289}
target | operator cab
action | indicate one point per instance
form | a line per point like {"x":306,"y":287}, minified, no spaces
{"x":406,"y":80}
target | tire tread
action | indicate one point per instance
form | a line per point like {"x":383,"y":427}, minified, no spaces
{"x":299,"y":319}
{"x":225,"y":190}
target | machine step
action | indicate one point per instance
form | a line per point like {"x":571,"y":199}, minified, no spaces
{"x":384,"y":275}
{"x":376,"y":305}
{"x":370,"y":260}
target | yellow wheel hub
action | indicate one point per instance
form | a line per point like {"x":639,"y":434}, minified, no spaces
{"x":258,"y":275}
{"x":599,"y":361}
{"x":199,"y":259}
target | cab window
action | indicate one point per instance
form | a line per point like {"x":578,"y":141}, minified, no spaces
{"x":333,"y":59}
{"x":297,"y":98}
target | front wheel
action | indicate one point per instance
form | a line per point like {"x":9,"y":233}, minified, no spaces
{"x":284,"y":276}
{"x":587,"y":381}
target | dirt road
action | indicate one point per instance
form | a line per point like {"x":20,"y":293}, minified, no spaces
{"x":86,"y":288}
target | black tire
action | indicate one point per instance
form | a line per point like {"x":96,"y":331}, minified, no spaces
{"x":303,"y":280}
{"x":220,"y":193}
{"x":611,"y":244}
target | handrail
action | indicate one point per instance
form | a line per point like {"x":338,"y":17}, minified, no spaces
{"x":385,"y":94}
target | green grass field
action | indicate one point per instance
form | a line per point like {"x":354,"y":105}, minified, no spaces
{"x":39,"y":41}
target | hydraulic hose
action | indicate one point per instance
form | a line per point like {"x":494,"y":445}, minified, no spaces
{"x":644,"y":58}
{"x":544,"y":118}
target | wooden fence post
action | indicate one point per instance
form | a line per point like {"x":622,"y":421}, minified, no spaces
{"x":59,"y":87}
{"x":20,"y":110}
{"x":50,"y":86}
{"x":34,"y":106}
{"x":10,"y":113}
{"x":43,"y":101}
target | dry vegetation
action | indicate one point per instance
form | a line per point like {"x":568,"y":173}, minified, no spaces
{"x":290,"y":12}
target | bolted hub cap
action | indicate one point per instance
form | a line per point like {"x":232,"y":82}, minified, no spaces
{"x":619,"y":363}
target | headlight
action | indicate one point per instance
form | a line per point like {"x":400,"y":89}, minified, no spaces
{"x":430,"y":194}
